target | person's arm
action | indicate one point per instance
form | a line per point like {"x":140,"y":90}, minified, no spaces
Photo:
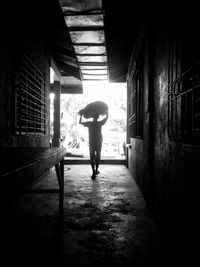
{"x":105,"y":119}
{"x":81,"y":122}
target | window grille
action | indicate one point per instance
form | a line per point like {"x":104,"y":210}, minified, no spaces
{"x":131,"y":106}
{"x":184,"y":106}
{"x":135,"y":101}
{"x":30,"y":106}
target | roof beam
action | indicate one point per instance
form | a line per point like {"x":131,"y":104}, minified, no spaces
{"x":94,"y":69}
{"x":91,"y":55}
{"x":95,"y":79}
{"x":84,"y":13}
{"x":86,"y":28}
{"x":89,"y":44}
{"x":93,"y":63}
{"x":90,"y":74}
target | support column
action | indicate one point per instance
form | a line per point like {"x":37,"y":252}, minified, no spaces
{"x":56,"y":123}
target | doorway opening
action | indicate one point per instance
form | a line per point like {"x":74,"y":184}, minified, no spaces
{"x":75,"y":137}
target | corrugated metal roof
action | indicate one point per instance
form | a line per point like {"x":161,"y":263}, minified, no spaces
{"x":71,"y":85}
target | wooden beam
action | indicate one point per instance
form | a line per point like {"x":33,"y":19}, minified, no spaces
{"x":86,"y":28}
{"x":57,"y":76}
{"x":89,"y":44}
{"x":56,"y":134}
{"x":84,"y":13}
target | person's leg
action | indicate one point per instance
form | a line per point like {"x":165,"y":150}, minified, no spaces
{"x":98,"y":157}
{"x":92,"y":160}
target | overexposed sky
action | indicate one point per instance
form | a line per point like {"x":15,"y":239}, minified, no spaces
{"x":110,"y":93}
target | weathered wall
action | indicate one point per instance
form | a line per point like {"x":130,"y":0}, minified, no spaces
{"x":8,"y":48}
{"x":139,"y":164}
{"x":166,"y":171}
{"x":140,"y":151}
{"x":168,"y":155}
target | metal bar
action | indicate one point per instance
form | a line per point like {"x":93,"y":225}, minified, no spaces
{"x":34,"y":115}
{"x":35,"y":111}
{"x":186,"y":92}
{"x":40,"y":88}
{"x":39,"y":110}
{"x":197,"y":64}
{"x":98,"y":75}
{"x":86,"y":13}
{"x":30,"y":61}
{"x":36,"y":125}
{"x":40,"y":78}
{"x":32,"y":121}
{"x":89,"y":44}
{"x":85,"y":69}
{"x":95,"y":79}
{"x":25,"y":129}
{"x":29,"y":133}
{"x":32,"y":118}
{"x":93,"y":64}
{"x":85,"y":28}
{"x":181,"y":99}
{"x":91,"y":74}
{"x":32,"y":96}
{"x":91,"y":55}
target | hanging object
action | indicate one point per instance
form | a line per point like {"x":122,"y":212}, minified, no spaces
{"x":94,"y":108}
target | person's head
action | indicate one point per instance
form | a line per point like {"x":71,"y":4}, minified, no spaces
{"x":96,"y":116}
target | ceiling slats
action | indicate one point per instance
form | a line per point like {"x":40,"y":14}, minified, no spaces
{"x":85,"y":23}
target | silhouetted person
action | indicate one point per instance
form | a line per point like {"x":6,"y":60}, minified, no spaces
{"x":95,"y":141}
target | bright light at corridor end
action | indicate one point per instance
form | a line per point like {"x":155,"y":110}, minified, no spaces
{"x":103,"y":90}
{"x":110,"y":93}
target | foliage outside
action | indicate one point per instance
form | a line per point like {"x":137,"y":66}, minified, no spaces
{"x":75,"y":137}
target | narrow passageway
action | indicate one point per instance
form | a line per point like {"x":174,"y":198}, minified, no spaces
{"x":105,"y":223}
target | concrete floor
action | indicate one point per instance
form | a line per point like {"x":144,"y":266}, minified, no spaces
{"x":105,"y":223}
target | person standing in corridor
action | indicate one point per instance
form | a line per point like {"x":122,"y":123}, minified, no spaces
{"x":95,"y":141}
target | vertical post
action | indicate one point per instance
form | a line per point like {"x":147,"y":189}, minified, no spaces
{"x":56,"y":123}
{"x":62,"y":186}
{"x":60,"y":176}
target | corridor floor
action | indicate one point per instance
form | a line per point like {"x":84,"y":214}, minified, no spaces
{"x":105,"y":223}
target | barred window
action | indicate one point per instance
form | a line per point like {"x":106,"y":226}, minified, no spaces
{"x":30,"y":103}
{"x":183,"y":95}
{"x":135,"y":97}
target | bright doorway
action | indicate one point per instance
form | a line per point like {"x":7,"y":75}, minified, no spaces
{"x":75,"y":137}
